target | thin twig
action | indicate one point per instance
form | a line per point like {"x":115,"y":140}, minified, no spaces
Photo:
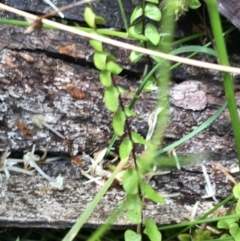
{"x":119,"y":44}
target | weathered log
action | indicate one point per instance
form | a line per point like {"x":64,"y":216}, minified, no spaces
{"x":107,"y":9}
{"x":28,"y":202}
{"x":230,"y":9}
{"x":68,"y":95}
{"x":28,"y":89}
{"x":67,"y":91}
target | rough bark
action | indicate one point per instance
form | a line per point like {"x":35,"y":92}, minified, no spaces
{"x":36,"y":77}
{"x":67,"y":91}
{"x":68,"y":95}
{"x":28,"y":202}
{"x":107,"y":9}
{"x":230,"y":9}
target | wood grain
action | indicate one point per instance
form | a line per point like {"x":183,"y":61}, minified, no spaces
{"x":53,"y":75}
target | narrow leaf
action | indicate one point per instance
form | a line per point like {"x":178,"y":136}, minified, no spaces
{"x":99,"y":60}
{"x":143,"y":165}
{"x":119,"y":119}
{"x":121,"y":89}
{"x":97,"y":45}
{"x":130,"y":235}
{"x":153,"y":12}
{"x":130,"y":181}
{"x":99,"y":20}
{"x":129,"y":112}
{"x":137,"y":12}
{"x":110,"y":57}
{"x":151,"y":231}
{"x":152,"y":34}
{"x":113,"y":67}
{"x":111,"y":98}
{"x":137,"y":138}
{"x":125,"y":148}
{"x":105,"y":78}
{"x":89,"y":17}
{"x":149,"y":193}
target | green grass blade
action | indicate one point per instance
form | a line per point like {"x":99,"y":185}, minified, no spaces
{"x":193,"y":223}
{"x":203,"y":218}
{"x":188,"y":38}
{"x":123,"y":15}
{"x":189,"y":159}
{"x":153,"y":70}
{"x":223,"y":60}
{"x":107,"y":32}
{"x":204,"y":125}
{"x":148,"y":76}
{"x":103,"y":228}
{"x":195,"y":48}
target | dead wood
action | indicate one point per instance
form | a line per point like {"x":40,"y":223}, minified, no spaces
{"x":67,"y":91}
{"x":28,"y":202}
{"x":69,"y":95}
{"x":230,"y":10}
{"x":37,"y":77}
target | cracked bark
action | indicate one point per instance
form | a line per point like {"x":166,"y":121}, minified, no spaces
{"x":51,"y":76}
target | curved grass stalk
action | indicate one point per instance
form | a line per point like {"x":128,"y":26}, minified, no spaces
{"x":198,"y":221}
{"x":119,"y":44}
{"x":153,"y":70}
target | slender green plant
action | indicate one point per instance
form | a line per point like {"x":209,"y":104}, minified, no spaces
{"x":232,"y":225}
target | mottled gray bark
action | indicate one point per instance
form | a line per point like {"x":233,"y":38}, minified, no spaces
{"x":71,"y":97}
{"x":107,"y":9}
{"x":36,"y":77}
{"x":68,"y":95}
